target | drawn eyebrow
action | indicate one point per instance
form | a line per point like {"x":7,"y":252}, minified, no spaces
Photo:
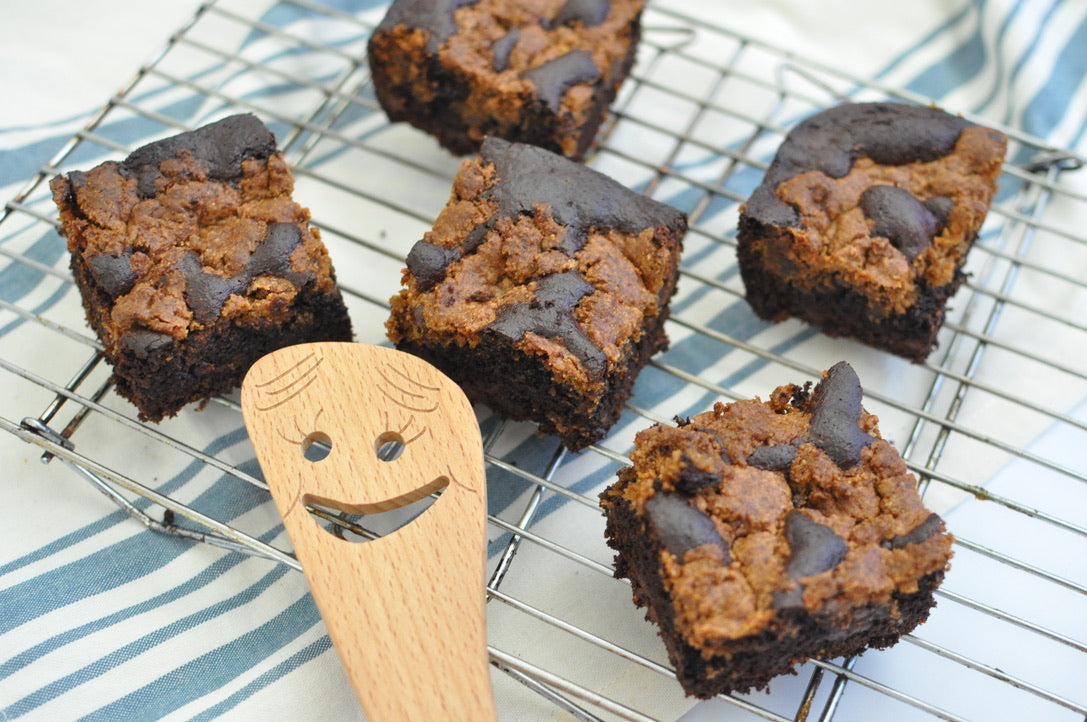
{"x":302,"y":435}
{"x":399,"y":400}
{"x":304,"y":372}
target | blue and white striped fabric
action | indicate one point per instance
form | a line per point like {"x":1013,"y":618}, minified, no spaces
{"x":102,"y":620}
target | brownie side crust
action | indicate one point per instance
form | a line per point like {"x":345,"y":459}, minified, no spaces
{"x":193,"y":261}
{"x":541,"y":72}
{"x":542,"y":289}
{"x":864,"y":220}
{"x":761,"y":534}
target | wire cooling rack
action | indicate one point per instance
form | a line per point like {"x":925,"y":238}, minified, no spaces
{"x":993,"y":424}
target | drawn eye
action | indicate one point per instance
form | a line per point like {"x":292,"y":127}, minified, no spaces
{"x":316,"y":446}
{"x":389,"y":445}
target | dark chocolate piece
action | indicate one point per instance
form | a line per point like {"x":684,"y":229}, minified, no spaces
{"x":434,"y":16}
{"x":836,"y":413}
{"x":773,"y":458}
{"x":940,"y":208}
{"x":563,"y":290}
{"x":273,"y":256}
{"x":888,"y":133}
{"x":427,"y":262}
{"x":899,"y":217}
{"x":681,"y":527}
{"x":918,"y":534}
{"x":515,"y":320}
{"x":207,"y":292}
{"x":502,"y":49}
{"x":219,"y":147}
{"x":113,"y":273}
{"x":815,"y":548}
{"x":692,"y":479}
{"x":590,"y":12}
{"x":555,"y":77}
{"x":145,"y":343}
{"x":578,"y":196}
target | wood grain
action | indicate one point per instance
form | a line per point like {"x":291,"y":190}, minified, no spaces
{"x":404,"y":611}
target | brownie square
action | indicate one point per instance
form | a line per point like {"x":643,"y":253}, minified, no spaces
{"x":864,"y":220}
{"x":193,"y":261}
{"x":761,"y":534}
{"x":542,"y":289}
{"x":532,"y":72}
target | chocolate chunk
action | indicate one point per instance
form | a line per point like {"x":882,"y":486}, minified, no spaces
{"x":590,"y":12}
{"x":502,"y":49}
{"x":563,"y":290}
{"x":427,"y":263}
{"x":434,"y":16}
{"x":579,"y":197}
{"x":114,"y":274}
{"x":573,"y":240}
{"x":681,"y":527}
{"x":273,"y":256}
{"x":787,"y":598}
{"x":692,"y":479}
{"x":814,"y":548}
{"x":835,"y":416}
{"x":940,"y":207}
{"x":778,"y":457}
{"x":931,"y":525}
{"x":205,"y":292}
{"x":146,"y":343}
{"x":899,"y":217}
{"x":219,"y":147}
{"x":555,"y":77}
{"x":517,"y":319}
{"x":888,"y":133}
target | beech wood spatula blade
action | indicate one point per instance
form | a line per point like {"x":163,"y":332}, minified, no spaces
{"x":405,"y":611}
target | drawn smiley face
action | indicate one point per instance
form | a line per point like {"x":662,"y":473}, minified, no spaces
{"x":366,"y":432}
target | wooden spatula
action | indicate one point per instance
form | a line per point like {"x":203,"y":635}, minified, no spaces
{"x":405,"y":611}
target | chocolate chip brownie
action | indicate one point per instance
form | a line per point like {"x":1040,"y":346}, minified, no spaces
{"x":542,"y":289}
{"x":540,"y":71}
{"x":761,"y":534}
{"x":193,"y":261}
{"x":864,"y":220}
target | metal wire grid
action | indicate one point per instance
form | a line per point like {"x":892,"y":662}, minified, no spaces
{"x":700,"y":143}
